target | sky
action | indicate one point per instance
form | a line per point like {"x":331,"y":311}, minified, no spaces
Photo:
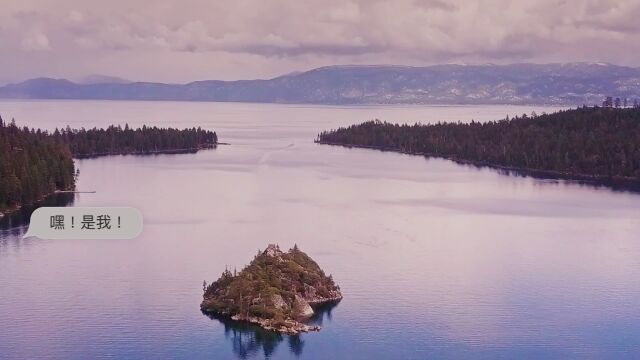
{"x":182,"y":41}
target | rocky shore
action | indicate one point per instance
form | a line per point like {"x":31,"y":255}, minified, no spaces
{"x":289,"y":326}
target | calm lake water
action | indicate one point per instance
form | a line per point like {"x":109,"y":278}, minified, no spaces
{"x":435,"y":259}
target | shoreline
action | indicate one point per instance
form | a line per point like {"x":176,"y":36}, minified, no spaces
{"x":151,"y":152}
{"x":287,"y":326}
{"x":15,"y":208}
{"x":626,"y":183}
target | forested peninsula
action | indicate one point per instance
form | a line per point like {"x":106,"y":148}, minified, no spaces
{"x":588,"y":143}
{"x":36,"y":163}
{"x":116,"y":140}
{"x":32,"y":165}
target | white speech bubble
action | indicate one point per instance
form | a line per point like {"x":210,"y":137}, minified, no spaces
{"x":85,"y":223}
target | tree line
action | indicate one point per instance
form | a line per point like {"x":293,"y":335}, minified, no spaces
{"x":35,"y":163}
{"x":115,"y":140}
{"x":584,"y":142}
{"x":609,"y":101}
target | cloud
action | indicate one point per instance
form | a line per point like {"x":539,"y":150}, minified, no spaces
{"x":428,"y":30}
{"x":75,"y":17}
{"x":271,"y":34}
{"x":35,"y":41}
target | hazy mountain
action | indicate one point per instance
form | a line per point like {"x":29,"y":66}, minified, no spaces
{"x":570,"y":84}
{"x":102,"y":79}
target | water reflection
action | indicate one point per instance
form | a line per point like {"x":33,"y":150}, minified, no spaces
{"x":249,"y":341}
{"x":13,"y":224}
{"x":558,"y":179}
{"x":323,"y":312}
{"x":436,"y":260}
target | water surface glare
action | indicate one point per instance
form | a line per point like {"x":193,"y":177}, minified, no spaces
{"x":435,"y":259}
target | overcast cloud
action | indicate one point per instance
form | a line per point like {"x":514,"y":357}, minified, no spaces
{"x":180,"y":41}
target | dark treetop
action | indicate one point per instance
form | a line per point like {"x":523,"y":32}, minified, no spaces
{"x":601,"y":143}
{"x":275,"y":290}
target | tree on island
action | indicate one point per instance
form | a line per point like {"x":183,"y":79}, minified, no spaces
{"x":277,"y":291}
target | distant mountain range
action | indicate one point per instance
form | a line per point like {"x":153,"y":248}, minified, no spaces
{"x":561,"y":84}
{"x":102,"y":79}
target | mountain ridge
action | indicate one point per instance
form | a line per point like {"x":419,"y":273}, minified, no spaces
{"x":519,"y":83}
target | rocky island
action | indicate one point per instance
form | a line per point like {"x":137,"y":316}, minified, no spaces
{"x":277,"y":291}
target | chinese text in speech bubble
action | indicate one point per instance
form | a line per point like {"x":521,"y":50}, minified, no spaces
{"x":85,"y":223}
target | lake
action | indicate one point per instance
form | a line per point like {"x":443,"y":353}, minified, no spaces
{"x":435,"y":259}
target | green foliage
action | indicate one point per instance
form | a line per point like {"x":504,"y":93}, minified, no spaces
{"x":269,"y":276}
{"x":262,"y":311}
{"x":32,"y":165}
{"x":598,"y":142}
